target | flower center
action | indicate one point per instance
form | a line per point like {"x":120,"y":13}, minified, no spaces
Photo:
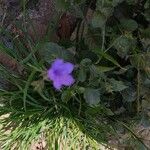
{"x":57,"y":72}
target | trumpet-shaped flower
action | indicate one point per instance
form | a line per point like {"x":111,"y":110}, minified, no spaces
{"x":60,"y":73}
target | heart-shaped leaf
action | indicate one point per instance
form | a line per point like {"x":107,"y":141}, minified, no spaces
{"x":51,"y":51}
{"x":92,"y":96}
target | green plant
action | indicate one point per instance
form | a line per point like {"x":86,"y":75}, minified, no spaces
{"x":111,"y":58}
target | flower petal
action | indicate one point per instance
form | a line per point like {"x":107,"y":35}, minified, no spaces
{"x":57,"y":84}
{"x":67,"y":80}
{"x":68,"y":67}
{"x":57,"y":63}
{"x":51,"y":74}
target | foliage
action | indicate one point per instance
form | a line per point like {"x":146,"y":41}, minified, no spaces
{"x":112,"y":71}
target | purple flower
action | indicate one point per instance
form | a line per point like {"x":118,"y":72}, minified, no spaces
{"x":60,"y":73}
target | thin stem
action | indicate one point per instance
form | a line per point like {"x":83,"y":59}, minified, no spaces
{"x":103,"y":37}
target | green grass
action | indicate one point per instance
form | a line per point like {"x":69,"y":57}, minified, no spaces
{"x":58,"y":132}
{"x":32,"y":113}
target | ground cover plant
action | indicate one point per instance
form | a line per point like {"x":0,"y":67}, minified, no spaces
{"x":77,"y":77}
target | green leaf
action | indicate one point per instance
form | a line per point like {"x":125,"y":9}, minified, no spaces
{"x":93,"y":39}
{"x":129,"y":94}
{"x":107,"y":11}
{"x":92,"y":96}
{"x":62,"y":5}
{"x":93,"y":71}
{"x":116,"y":2}
{"x":147,"y":15}
{"x":145,"y":33}
{"x":80,"y":89}
{"x":105,"y":68}
{"x":141,"y":61}
{"x":66,"y":96}
{"x":86,"y":62}
{"x":109,"y":112}
{"x":116,"y":85}
{"x":82,"y":75}
{"x":124,"y":45}
{"x":76,"y":11}
{"x":98,"y":20}
{"x":146,"y":82}
{"x":129,"y":24}
{"x":51,"y":51}
{"x":109,"y":58}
